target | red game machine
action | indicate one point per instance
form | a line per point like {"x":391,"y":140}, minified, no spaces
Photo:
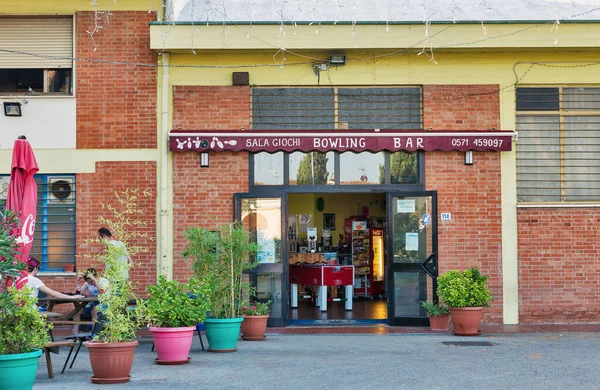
{"x":322,"y":276}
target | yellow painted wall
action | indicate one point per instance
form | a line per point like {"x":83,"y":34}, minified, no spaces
{"x":68,"y":7}
{"x":404,"y":37}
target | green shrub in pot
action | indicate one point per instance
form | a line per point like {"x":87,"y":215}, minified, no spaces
{"x":172,"y":304}
{"x":466,"y":288}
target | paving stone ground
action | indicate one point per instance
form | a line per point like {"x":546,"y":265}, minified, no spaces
{"x":569,"y":360}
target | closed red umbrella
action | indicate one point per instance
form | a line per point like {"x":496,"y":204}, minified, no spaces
{"x":22,"y":193}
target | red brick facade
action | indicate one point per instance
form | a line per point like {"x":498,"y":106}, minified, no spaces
{"x":116,"y":103}
{"x":116,"y":109}
{"x":461,"y":107}
{"x":204,"y":196}
{"x":471,"y":193}
{"x":95,"y":189}
{"x":558,"y":267}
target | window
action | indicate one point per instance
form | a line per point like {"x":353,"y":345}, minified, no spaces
{"x":558,"y":152}
{"x":338,"y":109}
{"x":54,"y":239}
{"x":38,"y":56}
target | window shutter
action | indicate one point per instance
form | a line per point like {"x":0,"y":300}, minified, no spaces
{"x":50,"y":39}
{"x":558,"y":152}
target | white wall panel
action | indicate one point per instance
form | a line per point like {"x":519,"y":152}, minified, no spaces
{"x":48,"y":123}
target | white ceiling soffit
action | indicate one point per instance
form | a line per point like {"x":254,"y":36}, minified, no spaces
{"x":382,"y":10}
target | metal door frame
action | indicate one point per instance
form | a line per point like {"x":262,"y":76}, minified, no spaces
{"x":282,"y":267}
{"x":429,"y":265}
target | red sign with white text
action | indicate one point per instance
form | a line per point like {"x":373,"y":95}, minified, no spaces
{"x":340,"y":141}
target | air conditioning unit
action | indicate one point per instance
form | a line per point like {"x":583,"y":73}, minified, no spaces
{"x":4,"y":182}
{"x":61,"y":189}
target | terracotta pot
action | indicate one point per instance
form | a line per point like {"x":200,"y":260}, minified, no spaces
{"x":254,"y":327}
{"x":173,"y":344}
{"x":69,"y":267}
{"x":440,"y":323}
{"x":465,"y":320}
{"x":111,"y":362}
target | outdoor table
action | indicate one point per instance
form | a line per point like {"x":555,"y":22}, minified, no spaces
{"x":50,"y":314}
{"x":78,"y":304}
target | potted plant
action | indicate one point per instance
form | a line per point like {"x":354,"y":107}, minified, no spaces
{"x":255,"y":316}
{"x":439,"y":316}
{"x":23,"y":333}
{"x":112,"y":349}
{"x":173,"y":310}
{"x":219,"y":261}
{"x":466,"y":293}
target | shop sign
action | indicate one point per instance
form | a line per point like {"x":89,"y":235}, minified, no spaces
{"x":340,"y":141}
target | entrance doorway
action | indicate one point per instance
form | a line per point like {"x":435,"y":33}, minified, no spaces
{"x":349,"y":229}
{"x":388,"y":240}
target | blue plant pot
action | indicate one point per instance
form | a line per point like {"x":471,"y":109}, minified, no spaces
{"x":222,"y":334}
{"x":17,"y":371}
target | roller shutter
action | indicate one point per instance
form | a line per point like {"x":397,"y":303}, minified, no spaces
{"x":48,"y":39}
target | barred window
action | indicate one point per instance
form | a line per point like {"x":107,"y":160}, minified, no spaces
{"x":54,"y":238}
{"x":558,"y":152}
{"x":337,"y":109}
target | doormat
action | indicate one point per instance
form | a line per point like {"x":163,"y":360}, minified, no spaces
{"x":468,"y":343}
{"x":337,"y":322}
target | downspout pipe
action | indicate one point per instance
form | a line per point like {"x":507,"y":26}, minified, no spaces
{"x":165,"y":266}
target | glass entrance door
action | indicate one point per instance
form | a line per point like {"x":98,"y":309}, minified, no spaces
{"x":411,"y":255}
{"x":263,"y":217}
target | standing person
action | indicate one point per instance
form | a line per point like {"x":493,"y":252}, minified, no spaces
{"x":105,"y":235}
{"x":33,"y":266}
{"x":92,"y":287}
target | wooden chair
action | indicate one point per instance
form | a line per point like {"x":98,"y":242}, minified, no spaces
{"x":53,"y":346}
{"x":80,"y":338}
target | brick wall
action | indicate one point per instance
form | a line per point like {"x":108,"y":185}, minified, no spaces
{"x":204,"y":196}
{"x":116,"y":104}
{"x":558,"y":267}
{"x":461,"y":107}
{"x":94,"y":189}
{"x":471,"y":193}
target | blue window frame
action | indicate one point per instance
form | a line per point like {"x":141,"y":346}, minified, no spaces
{"x":54,"y":242}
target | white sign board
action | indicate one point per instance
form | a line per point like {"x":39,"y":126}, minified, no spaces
{"x":405,"y":206}
{"x":412,"y":241}
{"x":446,"y":216}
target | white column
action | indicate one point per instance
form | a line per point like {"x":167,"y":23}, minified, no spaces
{"x":294,"y":295}
{"x":349,"y":295}
{"x":323,"y":297}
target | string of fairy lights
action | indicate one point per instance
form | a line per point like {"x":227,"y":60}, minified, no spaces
{"x":422,"y":47}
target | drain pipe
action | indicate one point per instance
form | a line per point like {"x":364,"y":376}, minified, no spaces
{"x":165,"y":266}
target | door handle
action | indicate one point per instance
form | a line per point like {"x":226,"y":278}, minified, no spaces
{"x":423,"y":265}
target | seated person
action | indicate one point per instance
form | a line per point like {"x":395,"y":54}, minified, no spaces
{"x":92,"y":287}
{"x":33,"y":266}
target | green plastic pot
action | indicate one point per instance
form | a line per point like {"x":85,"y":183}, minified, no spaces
{"x":17,"y":371}
{"x":222,"y":334}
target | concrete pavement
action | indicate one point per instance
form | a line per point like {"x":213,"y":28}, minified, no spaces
{"x":569,"y":360}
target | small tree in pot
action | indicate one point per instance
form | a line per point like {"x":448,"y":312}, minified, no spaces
{"x":112,"y":350}
{"x":220,"y":259}
{"x":173,"y":311}
{"x":466,"y":293}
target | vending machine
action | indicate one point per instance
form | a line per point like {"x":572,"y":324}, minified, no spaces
{"x":361,"y":254}
{"x":366,"y":236}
